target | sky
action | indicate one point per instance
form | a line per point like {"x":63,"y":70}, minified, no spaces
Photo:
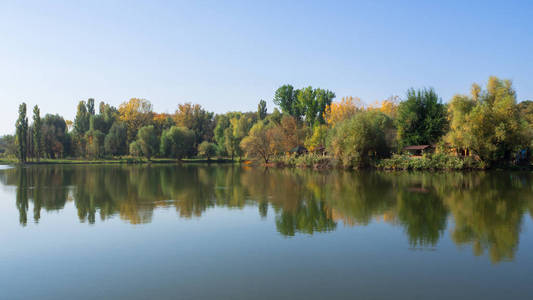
{"x":227,"y":55}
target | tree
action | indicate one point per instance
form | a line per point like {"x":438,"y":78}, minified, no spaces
{"x":177,"y":142}
{"x":90,"y":107}
{"x":81,"y":122}
{"x":55,"y":139}
{"x":261,"y":110}
{"x":286,"y":97}
{"x":197,"y":119}
{"x":207,"y":149}
{"x":263,"y":142}
{"x":421,"y":118}
{"x":313,"y":103}
{"x":489,"y":122}
{"x":22,"y":133}
{"x":148,"y":141}
{"x":359,"y":139}
{"x":318,"y":138}
{"x":339,"y":111}
{"x":115,"y":142}
{"x":37,"y":133}
{"x":135,"y":113}
{"x":135,"y":149}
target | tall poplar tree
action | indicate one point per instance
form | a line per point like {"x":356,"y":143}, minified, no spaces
{"x":37,"y":134}
{"x":22,"y":133}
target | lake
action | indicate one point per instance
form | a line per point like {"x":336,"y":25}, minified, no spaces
{"x":231,"y":232}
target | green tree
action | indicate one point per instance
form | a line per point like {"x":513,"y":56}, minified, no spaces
{"x":421,"y":118}
{"x":55,"y":139}
{"x":177,"y":142}
{"x":37,"y":133}
{"x":286,"y":97}
{"x":115,"y":142}
{"x":359,"y":139}
{"x":135,"y":149}
{"x":82,"y":120}
{"x":207,"y":149}
{"x":261,"y":110}
{"x":488,"y":123}
{"x":148,"y":141}
{"x":90,"y":107}
{"x":22,"y":133}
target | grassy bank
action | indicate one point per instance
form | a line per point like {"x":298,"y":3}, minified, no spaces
{"x":396,"y":162}
{"x":124,"y":160}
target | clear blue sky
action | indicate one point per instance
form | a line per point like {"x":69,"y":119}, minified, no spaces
{"x":228,"y":55}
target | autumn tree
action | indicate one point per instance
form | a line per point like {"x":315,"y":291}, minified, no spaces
{"x":488,"y":123}
{"x":339,"y":111}
{"x":263,"y":142}
{"x":197,"y":119}
{"x":135,"y":113}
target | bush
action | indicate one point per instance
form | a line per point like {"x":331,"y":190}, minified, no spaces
{"x":439,"y":161}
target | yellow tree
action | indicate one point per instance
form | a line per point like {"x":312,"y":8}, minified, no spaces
{"x":135,"y":113}
{"x":340,"y":111}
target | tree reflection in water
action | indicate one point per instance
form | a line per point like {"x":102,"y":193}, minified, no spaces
{"x":485,"y":209}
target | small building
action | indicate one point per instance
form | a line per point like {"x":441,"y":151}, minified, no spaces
{"x":418,"y":150}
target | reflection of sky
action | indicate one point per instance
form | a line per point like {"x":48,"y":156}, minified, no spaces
{"x":233,"y":253}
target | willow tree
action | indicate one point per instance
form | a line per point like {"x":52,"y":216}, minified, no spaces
{"x":488,"y":122}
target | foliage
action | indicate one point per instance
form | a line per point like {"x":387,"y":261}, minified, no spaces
{"x":55,"y":139}
{"x":313,"y":103}
{"x":261,"y":110}
{"x":8,"y":147}
{"x":307,"y":102}
{"x":177,"y":142}
{"x":421,"y":118}
{"x":207,"y":149}
{"x":37,"y":132}
{"x":22,"y":133}
{"x":147,"y":141}
{"x":135,"y":113}
{"x":318,"y":138}
{"x":263,"y":142}
{"x":197,"y":119}
{"x":115,"y":142}
{"x":488,"y":123}
{"x":339,"y":111}
{"x":438,"y":161}
{"x":81,"y":122}
{"x":359,"y":139}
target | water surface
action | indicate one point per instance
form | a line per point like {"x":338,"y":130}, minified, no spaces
{"x":229,"y":232}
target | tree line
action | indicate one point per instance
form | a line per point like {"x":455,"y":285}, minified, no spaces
{"x":488,"y":124}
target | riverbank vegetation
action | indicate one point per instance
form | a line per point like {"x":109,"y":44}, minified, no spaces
{"x":487,"y":128}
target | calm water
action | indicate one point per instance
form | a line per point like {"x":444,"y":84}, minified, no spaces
{"x":226,"y":232}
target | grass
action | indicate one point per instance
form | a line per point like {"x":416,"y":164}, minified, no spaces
{"x":122,"y":160}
